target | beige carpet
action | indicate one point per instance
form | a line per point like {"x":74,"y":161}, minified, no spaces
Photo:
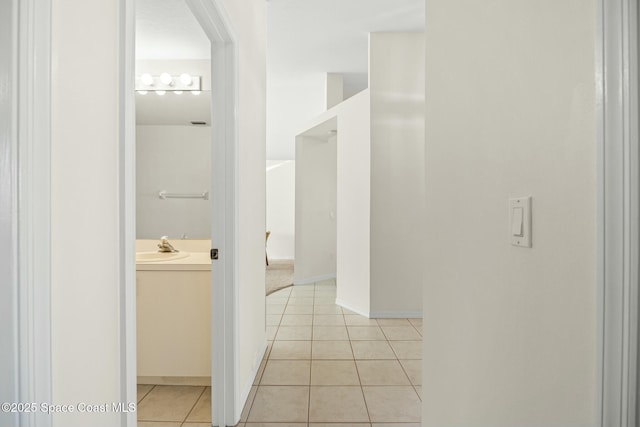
{"x":279,"y":275}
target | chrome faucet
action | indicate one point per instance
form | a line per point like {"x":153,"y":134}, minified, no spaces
{"x":165,"y":246}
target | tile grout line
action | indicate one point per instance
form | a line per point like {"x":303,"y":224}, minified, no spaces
{"x":286,"y":304}
{"x":313,"y":315}
{"x":250,"y":405}
{"x":266,"y":362}
{"x":414,"y":327}
{"x":398,"y":358}
{"x":408,"y":377}
{"x":385,"y":335}
{"x":310,"y":361}
{"x":259,"y":380}
{"x":281,"y":319}
{"x":364,"y":399}
{"x":386,"y":339}
{"x":146,"y":394}
{"x":399,"y":361}
{"x":194,"y":405}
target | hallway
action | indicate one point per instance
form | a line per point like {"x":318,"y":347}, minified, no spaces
{"x":324,"y":364}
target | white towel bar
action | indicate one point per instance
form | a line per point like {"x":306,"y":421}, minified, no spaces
{"x":164,"y":195}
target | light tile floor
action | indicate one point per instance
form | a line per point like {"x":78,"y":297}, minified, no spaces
{"x":324,"y":366}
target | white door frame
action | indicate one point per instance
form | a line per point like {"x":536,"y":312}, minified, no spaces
{"x":618,"y":191}
{"x":224,"y":106}
{"x":127,"y":208}
{"x":26,"y":111}
{"x":9,"y":325}
{"x":216,"y":24}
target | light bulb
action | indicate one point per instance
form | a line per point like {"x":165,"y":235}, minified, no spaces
{"x":146,"y":79}
{"x":143,"y":92}
{"x":161,"y":92}
{"x":177,"y":92}
{"x":195,"y":92}
{"x":166,"y":78}
{"x":186,"y":79}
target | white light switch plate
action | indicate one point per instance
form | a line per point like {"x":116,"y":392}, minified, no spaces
{"x":520,"y":221}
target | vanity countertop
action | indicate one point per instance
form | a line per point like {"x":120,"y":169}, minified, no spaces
{"x":195,"y":261}
{"x":198,"y":259}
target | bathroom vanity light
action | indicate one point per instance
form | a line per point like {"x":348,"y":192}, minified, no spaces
{"x":166,"y":82}
{"x":166,"y":79}
{"x":186,"y":79}
{"x":146,"y":79}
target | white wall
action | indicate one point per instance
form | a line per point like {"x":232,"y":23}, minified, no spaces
{"x":85,"y":299}
{"x":176,"y":159}
{"x":353,"y":270}
{"x":380,"y":195}
{"x":84,"y":188}
{"x":315,"y":209}
{"x":281,"y":208}
{"x":351,"y":118}
{"x":249,"y":20}
{"x":510,"y":332}
{"x":354,"y":83}
{"x":290,"y":105}
{"x":334,"y":89}
{"x":396,"y":85}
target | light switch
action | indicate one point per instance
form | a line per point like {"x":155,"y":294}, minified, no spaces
{"x":516,"y":221}
{"x":520,"y":221}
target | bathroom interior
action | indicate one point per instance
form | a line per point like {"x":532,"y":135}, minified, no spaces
{"x":173,"y":184}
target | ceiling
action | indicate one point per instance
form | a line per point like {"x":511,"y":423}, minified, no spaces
{"x":307,"y":36}
{"x":304,"y":37}
{"x":166,"y":29}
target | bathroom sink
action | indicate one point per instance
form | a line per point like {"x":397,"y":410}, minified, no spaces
{"x":160,"y":256}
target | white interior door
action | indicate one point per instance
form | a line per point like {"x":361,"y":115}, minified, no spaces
{"x":224,"y":166}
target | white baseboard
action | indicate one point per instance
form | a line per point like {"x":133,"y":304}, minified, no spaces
{"x":310,"y":280}
{"x":244,"y":393}
{"x":342,"y":304}
{"x":158,"y":380}
{"x":396,"y":315}
{"x":381,"y":314}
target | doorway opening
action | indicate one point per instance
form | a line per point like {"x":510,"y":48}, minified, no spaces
{"x":280,"y":209}
{"x":173,"y":215}
{"x":316,"y":200}
{"x":172,"y":93}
